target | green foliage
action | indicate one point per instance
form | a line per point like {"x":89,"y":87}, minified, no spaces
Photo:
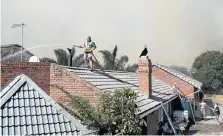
{"x":115,"y":113}
{"x":209,"y":70}
{"x":83,"y":111}
{"x":78,"y":60}
{"x":111,"y":62}
{"x":45,"y":59}
{"x":120,"y":64}
{"x":62,"y":57}
{"x":132,"y":68}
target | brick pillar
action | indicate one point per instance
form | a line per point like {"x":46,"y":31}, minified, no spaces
{"x":145,"y":75}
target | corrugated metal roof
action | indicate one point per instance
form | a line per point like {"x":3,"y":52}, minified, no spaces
{"x":161,"y":91}
{"x":180,"y":75}
{"x":28,"y":110}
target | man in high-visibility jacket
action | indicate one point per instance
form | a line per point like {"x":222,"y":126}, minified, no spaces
{"x":89,"y":46}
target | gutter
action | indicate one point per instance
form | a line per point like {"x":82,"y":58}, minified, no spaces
{"x":157,"y":107}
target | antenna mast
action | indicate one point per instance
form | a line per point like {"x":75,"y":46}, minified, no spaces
{"x":20,"y":25}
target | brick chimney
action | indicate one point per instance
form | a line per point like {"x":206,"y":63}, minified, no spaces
{"x":145,"y":75}
{"x":39,"y":72}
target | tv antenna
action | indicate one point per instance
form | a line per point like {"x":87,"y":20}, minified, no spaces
{"x":20,"y":25}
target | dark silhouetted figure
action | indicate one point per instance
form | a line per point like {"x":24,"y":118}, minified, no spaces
{"x":70,"y":56}
{"x":144,"y":52}
{"x":69,"y":50}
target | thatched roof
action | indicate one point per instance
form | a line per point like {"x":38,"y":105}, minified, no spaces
{"x":12,"y":52}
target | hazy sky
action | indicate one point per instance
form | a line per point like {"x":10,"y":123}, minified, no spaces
{"x":176,"y":31}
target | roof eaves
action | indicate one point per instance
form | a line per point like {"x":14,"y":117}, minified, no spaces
{"x":9,"y":84}
{"x":9,"y":90}
{"x":156,"y":107}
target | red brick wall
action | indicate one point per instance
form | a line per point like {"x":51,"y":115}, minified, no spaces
{"x":71,"y":83}
{"x":46,"y":76}
{"x":39,"y":72}
{"x":171,"y":79}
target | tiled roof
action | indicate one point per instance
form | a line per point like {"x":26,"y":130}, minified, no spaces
{"x":180,"y":75}
{"x":107,"y":82}
{"x":28,"y":110}
{"x":12,"y":52}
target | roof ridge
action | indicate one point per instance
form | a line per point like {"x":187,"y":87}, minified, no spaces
{"x":78,"y":68}
{"x":23,"y":78}
{"x":156,"y":64}
{"x":7,"y":92}
{"x":10,"y":84}
{"x":180,"y":75}
{"x":10,"y":45}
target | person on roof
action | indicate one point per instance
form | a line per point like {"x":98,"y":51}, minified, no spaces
{"x":89,"y":46}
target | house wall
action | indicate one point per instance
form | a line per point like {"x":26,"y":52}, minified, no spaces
{"x":156,"y":116}
{"x":70,"y":82}
{"x":39,"y":72}
{"x":171,"y":79}
{"x":152,"y":123}
{"x":50,"y":77}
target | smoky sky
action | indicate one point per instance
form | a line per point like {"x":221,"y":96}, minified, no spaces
{"x":175,"y":31}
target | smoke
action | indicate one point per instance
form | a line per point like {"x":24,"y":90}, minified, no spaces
{"x":175,"y":31}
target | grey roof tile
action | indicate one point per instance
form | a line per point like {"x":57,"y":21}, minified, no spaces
{"x":29,"y":120}
{"x":57,"y":127}
{"x":46,"y":128}
{"x":24,"y":111}
{"x":39,"y":119}
{"x":41,"y":128}
{"x":22,"y":120}
{"x":52,"y":129}
{"x":34,"y":120}
{"x":26,"y":94}
{"x":17,"y":120}
{"x":62,"y":127}
{"x":45,"y":119}
{"x":35,"y":129}
{"x":5,"y":131}
{"x":55,"y":118}
{"x":29,"y":130}
{"x":26,"y":102}
{"x":50,"y":118}
{"x":162,"y":91}
{"x":11,"y":121}
{"x":37,"y":102}
{"x":17,"y":129}
{"x":33,"y":111}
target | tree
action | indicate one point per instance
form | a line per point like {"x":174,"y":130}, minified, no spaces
{"x":62,"y":57}
{"x":209,"y":70}
{"x":114,"y":114}
{"x":132,"y":68}
{"x":45,"y":59}
{"x":111,"y":62}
